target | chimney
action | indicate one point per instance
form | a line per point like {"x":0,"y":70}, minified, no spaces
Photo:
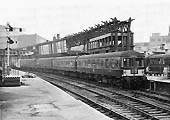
{"x":169,"y":31}
{"x":56,"y":37}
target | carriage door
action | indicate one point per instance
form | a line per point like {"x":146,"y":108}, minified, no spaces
{"x":134,"y":69}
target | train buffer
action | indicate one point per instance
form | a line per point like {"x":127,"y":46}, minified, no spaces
{"x":11,"y":80}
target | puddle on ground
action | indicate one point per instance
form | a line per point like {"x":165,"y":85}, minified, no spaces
{"x":45,"y":107}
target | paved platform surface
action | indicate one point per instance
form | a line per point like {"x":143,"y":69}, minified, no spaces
{"x":158,"y":79}
{"x":39,"y":100}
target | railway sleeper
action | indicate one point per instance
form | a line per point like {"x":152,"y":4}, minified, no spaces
{"x":164,"y":117}
{"x":139,"y":106}
{"x":153,"y":110}
{"x":148,"y":109}
{"x":138,"y":116}
{"x":156,"y":112}
{"x":162,"y":114}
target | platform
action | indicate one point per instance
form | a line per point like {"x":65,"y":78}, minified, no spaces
{"x":159,"y":84}
{"x":158,"y":78}
{"x":37,"y":99}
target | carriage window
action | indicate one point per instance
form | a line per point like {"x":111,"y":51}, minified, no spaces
{"x":114,"y":63}
{"x":102,"y":62}
{"x":79,"y":64}
{"x":97,"y":63}
{"x":93,"y":61}
{"x":83,"y":63}
{"x":107,"y":63}
{"x":155,"y":61}
{"x":86,"y":62}
{"x":163,"y":61}
{"x":89,"y":63}
{"x":70,"y":63}
{"x":167,"y":61}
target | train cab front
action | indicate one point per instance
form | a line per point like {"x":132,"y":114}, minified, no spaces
{"x":133,"y":72}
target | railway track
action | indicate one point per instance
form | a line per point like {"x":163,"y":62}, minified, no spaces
{"x":164,"y":99}
{"x":160,"y":94}
{"x":125,"y":105}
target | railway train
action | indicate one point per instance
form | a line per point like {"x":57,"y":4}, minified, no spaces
{"x":125,"y":69}
{"x":158,"y":65}
{"x":1,"y":68}
{"x":2,"y":64}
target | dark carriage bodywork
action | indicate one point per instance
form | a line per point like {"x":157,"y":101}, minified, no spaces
{"x":1,"y":70}
{"x":109,"y":64}
{"x":67,"y":63}
{"x":106,"y":67}
{"x":158,"y":64}
{"x":28,"y":64}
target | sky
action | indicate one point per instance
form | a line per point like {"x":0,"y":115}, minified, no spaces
{"x":64,"y":17}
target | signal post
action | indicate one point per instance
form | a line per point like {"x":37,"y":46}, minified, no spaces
{"x":9,"y":79}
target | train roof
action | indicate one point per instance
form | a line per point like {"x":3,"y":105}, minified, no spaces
{"x":128,"y":53}
{"x":159,"y":56}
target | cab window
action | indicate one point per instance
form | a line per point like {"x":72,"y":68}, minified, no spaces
{"x":139,"y":62}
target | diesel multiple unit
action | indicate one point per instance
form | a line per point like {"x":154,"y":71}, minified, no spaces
{"x":124,"y":68}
